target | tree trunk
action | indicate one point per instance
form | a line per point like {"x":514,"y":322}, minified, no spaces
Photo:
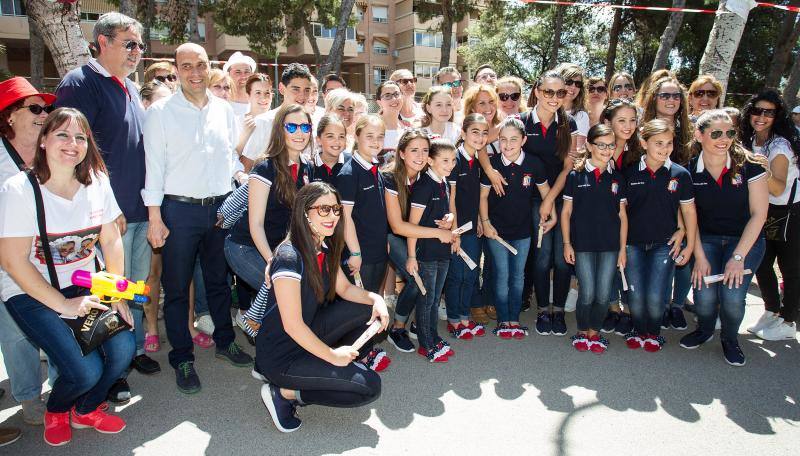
{"x":787,"y":37}
{"x":127,"y":7}
{"x":59,"y":26}
{"x":194,"y":31}
{"x":613,"y":41}
{"x":669,"y":35}
{"x":333,"y":63}
{"x":309,"y":29}
{"x":557,"y":26}
{"x":793,"y":84}
{"x":447,"y":33}
{"x":37,"y":56}
{"x":723,"y":41}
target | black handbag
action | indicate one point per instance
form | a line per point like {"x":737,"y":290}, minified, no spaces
{"x":97,"y":326}
{"x":776,"y":228}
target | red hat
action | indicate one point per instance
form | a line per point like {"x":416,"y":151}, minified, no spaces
{"x":18,"y":88}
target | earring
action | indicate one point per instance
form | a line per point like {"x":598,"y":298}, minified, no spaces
{"x":41,"y":145}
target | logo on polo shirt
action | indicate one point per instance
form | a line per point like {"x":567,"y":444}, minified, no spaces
{"x":737,"y":180}
{"x":526,"y":180}
{"x":614,"y":187}
{"x":636,"y":183}
{"x":672,"y":187}
{"x":305,"y":179}
{"x":367,"y":188}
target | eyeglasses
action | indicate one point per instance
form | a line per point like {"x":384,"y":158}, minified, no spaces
{"x":292,"y":127}
{"x":550,"y":93}
{"x":390,"y":96}
{"x":36,"y":109}
{"x":705,"y":93}
{"x":169,"y":77}
{"x":452,"y":84}
{"x":505,"y":96}
{"x":716,"y":134}
{"x":487,"y":76}
{"x":603,"y":146}
{"x":619,"y":87}
{"x":754,"y":111}
{"x":667,"y":95}
{"x":407,"y":81}
{"x":325,"y":209}
{"x":226,"y":88}
{"x":598,"y":89}
{"x":574,"y":82}
{"x":130,"y":45}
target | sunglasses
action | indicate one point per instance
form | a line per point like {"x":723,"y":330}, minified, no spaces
{"x":292,"y":127}
{"x":169,"y":77}
{"x":506,"y":96}
{"x":716,"y":134}
{"x":550,"y":93}
{"x":667,"y":95}
{"x":598,"y":89}
{"x":222,"y":87}
{"x":130,"y":45}
{"x":705,"y":93}
{"x":390,"y":96}
{"x":619,"y":87}
{"x":36,"y":109}
{"x":602,"y":146}
{"x":407,"y":81}
{"x":574,"y":82}
{"x":763,"y":112}
{"x":452,"y":84}
{"x":325,"y":209}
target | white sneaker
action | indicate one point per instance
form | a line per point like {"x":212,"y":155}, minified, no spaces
{"x":766,"y":319}
{"x":240,"y":321}
{"x":442,"y":310}
{"x":204,"y":324}
{"x":779,"y":331}
{"x":572,"y":300}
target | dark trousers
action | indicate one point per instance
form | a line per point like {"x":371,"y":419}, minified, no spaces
{"x":192,"y":231}
{"x":317,"y":381}
{"x":372,"y":275}
{"x":788,"y":256}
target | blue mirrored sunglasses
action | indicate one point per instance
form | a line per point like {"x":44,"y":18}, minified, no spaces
{"x":292,"y":127}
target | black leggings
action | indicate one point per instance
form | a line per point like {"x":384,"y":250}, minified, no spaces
{"x":788,"y":256}
{"x":319,"y":382}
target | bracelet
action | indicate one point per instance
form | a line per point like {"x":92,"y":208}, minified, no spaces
{"x":412,"y":258}
{"x":485,"y":220}
{"x":567,"y":243}
{"x":355,"y":254}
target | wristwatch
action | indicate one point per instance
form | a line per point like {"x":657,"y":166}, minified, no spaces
{"x":737,"y":257}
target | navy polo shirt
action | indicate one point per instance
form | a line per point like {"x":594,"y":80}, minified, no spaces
{"x":324,"y":173}
{"x":116,"y":116}
{"x":596,"y":195}
{"x":723,"y":206}
{"x":390,"y":187}
{"x":361,"y":186}
{"x":541,"y":143}
{"x":653,"y":200}
{"x":278,"y":214}
{"x":466,"y":178}
{"x":511,"y":215}
{"x":432,"y":194}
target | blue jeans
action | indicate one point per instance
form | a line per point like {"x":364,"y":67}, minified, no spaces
{"x":433,"y":274}
{"x":247,"y":262}
{"x":192,"y":231}
{"x":681,"y":281}
{"x":486,"y":291}
{"x":460,"y":285}
{"x":83,"y":381}
{"x":550,"y":257}
{"x":648,"y":272}
{"x":21,"y":358}
{"x":137,"y":267}
{"x":730,"y":301}
{"x":595,"y":271}
{"x":508,"y":277}
{"x":406,"y":300}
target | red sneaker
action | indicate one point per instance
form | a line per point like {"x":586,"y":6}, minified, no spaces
{"x":377,"y":360}
{"x":443,"y":348}
{"x":476,"y":329}
{"x":633,"y":341}
{"x":598,"y":344}
{"x":653,"y":343}
{"x":56,"y":428}
{"x":518,"y":332}
{"x":580,"y":342}
{"x":432,"y":355}
{"x":503,"y":331}
{"x":99,"y":420}
{"x":459,"y":331}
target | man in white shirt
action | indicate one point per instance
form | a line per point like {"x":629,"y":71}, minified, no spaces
{"x":190,"y":158}
{"x":294,"y":87}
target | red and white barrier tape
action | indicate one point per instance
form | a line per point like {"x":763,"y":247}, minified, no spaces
{"x":667,"y":9}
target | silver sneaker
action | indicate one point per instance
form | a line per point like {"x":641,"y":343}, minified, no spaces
{"x":765,"y":320}
{"x":780,"y":330}
{"x":204,"y":324}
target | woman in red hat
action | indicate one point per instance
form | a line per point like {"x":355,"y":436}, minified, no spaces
{"x":22,"y":112}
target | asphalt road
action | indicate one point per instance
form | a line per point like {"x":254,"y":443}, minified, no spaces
{"x":536,"y":396}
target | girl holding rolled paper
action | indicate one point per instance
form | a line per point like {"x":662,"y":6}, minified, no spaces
{"x":305,"y":349}
{"x":595,"y":229}
{"x":732,"y":197}
{"x":430,"y":202}
{"x":656,"y":189}
{"x":508,"y":222}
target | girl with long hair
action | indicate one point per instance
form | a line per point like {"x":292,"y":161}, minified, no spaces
{"x":331,"y":154}
{"x":621,"y":85}
{"x":390,"y":100}
{"x":438,"y":119}
{"x":575,"y":101}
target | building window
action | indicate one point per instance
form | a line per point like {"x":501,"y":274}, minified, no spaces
{"x":330,"y":33}
{"x":12,"y":8}
{"x":431,"y":39}
{"x":162,"y":33}
{"x":380,"y":14}
{"x":380,"y":48}
{"x":89,"y":17}
{"x":360,"y":46}
{"x":380,"y":75}
{"x":425,"y":70}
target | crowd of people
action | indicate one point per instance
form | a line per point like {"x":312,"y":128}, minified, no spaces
{"x":476,"y":203}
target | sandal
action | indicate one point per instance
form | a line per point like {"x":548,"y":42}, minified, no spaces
{"x":203,"y":340}
{"x":152,"y":343}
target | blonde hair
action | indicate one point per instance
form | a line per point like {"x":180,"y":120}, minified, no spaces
{"x":518,"y":83}
{"x":704,"y":79}
{"x":428,"y":98}
{"x":216,"y":75}
{"x":150,"y":72}
{"x":336,"y":97}
{"x":363,"y":122}
{"x":470,"y":99}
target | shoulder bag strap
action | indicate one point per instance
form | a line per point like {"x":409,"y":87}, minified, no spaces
{"x":48,"y":255}
{"x":14,"y":154}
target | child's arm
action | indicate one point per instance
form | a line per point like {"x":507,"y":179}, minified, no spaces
{"x":689,"y":216}
{"x":566,"y":213}
{"x":351,"y":239}
{"x":497,"y":179}
{"x":549,"y":201}
{"x":257,"y":196}
{"x":456,"y":240}
{"x":414,"y":216}
{"x":549,"y":221}
{"x":483,"y":211}
{"x":402,"y":228}
{"x":622,"y":257}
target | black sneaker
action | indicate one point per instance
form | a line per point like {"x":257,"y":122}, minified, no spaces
{"x":559,"y":326}
{"x":120,"y":392}
{"x":677,"y":320}
{"x":543,"y":324}
{"x":666,"y":319}
{"x":412,"y":330}
{"x":145,"y":365}
{"x":624,"y":324}
{"x":399,"y":338}
{"x":235,"y":355}
{"x":610,"y":322}
{"x":282,"y":410}
{"x":695,"y":339}
{"x":733,"y":353}
{"x":186,"y":378}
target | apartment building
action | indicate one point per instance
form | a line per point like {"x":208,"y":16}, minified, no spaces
{"x":387,"y":36}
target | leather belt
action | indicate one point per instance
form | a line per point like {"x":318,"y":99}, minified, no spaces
{"x":207,"y":201}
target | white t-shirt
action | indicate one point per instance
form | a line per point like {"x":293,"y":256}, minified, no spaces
{"x":781,"y":146}
{"x":451,"y":133}
{"x":7,"y":166}
{"x":73,"y":226}
{"x":240,"y":109}
{"x":259,"y":139}
{"x":583,"y":122}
